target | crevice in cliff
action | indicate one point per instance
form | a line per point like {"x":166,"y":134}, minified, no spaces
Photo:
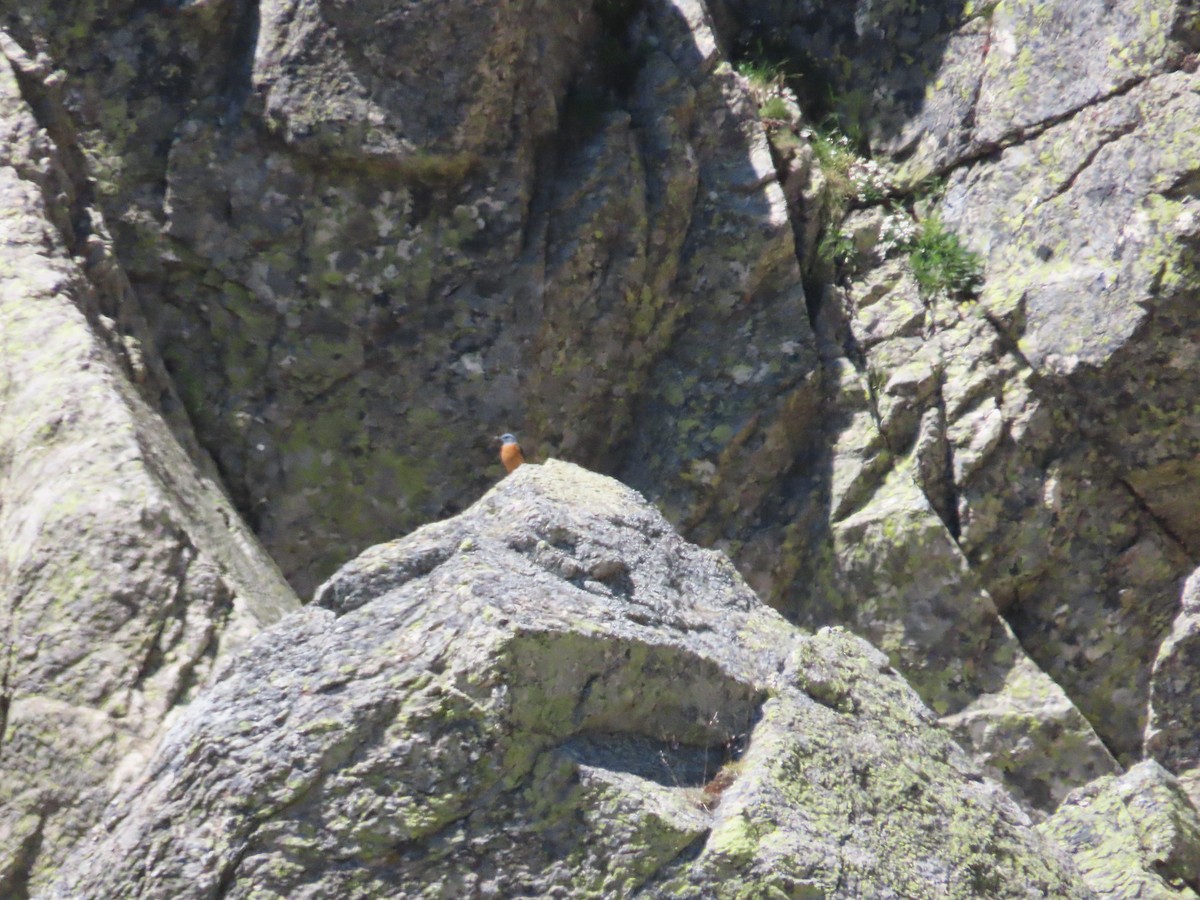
{"x":667,"y":763}
{"x":6,"y":673}
{"x":979,"y":152}
{"x":1028,"y":619}
{"x":228,"y":878}
{"x":152,"y":658}
{"x":107,"y":301}
{"x":8,"y":610}
{"x":1162,"y":524}
{"x":1009,"y":343}
{"x":689,"y":853}
{"x":68,"y":192}
{"x":332,"y":387}
{"x":1069,"y":181}
{"x":1022,"y":625}
{"x":606,"y":74}
{"x":15,"y":878}
{"x":70,"y":197}
{"x":228,"y":466}
{"x":977,"y":89}
{"x":175,"y":641}
{"x":237,"y":83}
{"x":942,"y":492}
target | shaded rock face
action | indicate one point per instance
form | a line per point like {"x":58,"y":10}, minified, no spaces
{"x":365,"y":262}
{"x":553,"y":694}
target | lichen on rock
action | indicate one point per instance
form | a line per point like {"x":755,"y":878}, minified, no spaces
{"x":314,"y":253}
{"x":538,"y":708}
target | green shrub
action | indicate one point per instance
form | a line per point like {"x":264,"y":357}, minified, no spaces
{"x":775,"y":108}
{"x":941,"y":263}
{"x":834,"y":248}
{"x":760,"y":73}
{"x":836,"y":158}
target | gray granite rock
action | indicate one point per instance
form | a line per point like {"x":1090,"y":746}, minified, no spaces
{"x":1171,"y":732}
{"x":1136,"y":835}
{"x":348,"y":255}
{"x":125,"y":572}
{"x":566,"y":699}
{"x":1050,"y":427}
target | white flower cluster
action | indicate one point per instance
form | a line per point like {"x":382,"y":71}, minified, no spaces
{"x":840,"y":141}
{"x":898,"y":232}
{"x":868,"y":178}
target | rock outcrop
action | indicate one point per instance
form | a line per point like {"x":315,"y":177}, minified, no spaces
{"x":275,"y":270}
{"x":1050,"y":426}
{"x":1136,"y":835}
{"x":124,"y":570}
{"x":354,"y":284}
{"x":553,"y":694}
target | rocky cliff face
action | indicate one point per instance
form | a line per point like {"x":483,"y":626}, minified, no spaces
{"x":125,"y":571}
{"x":893,"y":303}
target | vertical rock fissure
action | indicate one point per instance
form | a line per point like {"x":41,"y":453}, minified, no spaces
{"x":6,"y":581}
{"x":41,"y":90}
{"x":946,"y":504}
{"x":6,"y":668}
{"x":237,"y":85}
{"x":1162,"y":524}
{"x":14,"y":881}
{"x":68,"y":190}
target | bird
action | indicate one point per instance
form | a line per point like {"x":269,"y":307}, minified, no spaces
{"x":510,"y":452}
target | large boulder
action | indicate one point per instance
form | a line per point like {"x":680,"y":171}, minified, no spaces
{"x":554,"y":694}
{"x":351,"y":241}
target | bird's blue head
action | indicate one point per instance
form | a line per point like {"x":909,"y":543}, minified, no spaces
{"x":507,"y":438}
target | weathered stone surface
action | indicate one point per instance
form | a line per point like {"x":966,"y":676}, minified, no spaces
{"x":333,"y":85}
{"x":1126,"y":166}
{"x":904,"y":78}
{"x":362,"y":254}
{"x":897,"y":572}
{"x":947,"y":83}
{"x":1046,"y":528}
{"x":1104,"y":323}
{"x":1051,"y":428}
{"x":563,"y":698}
{"x":1045,"y":61}
{"x":1174,"y":725}
{"x":124,"y":570}
{"x":331,"y":382}
{"x":542,"y":246}
{"x":1136,"y":835}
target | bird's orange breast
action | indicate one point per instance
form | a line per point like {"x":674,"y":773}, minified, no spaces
{"x":511,"y":456}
